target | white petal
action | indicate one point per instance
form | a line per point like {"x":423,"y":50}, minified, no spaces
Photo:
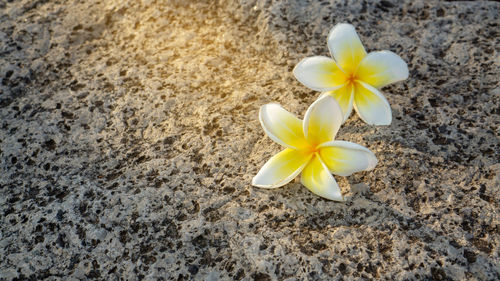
{"x":319,"y":181}
{"x":345,"y":97}
{"x":371,"y":106}
{"x":322,"y":120}
{"x":281,"y":168}
{"x":346,"y":47}
{"x":319,"y":73}
{"x":344,"y":158}
{"x":282,"y":126}
{"x":382,"y":68}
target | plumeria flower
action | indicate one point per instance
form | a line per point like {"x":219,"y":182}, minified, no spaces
{"x":353,"y":77}
{"x":310,"y":149}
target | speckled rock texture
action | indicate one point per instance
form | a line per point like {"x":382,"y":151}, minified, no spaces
{"x":129,"y":136}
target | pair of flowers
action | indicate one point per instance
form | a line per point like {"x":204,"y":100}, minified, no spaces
{"x":350,"y":80}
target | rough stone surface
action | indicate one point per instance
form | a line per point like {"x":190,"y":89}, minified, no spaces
{"x":129,"y":137}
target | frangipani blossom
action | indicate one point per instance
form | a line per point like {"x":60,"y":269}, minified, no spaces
{"x":353,"y":77}
{"x":310,"y":149}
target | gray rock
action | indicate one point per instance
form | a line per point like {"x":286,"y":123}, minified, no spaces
{"x":129,"y":136}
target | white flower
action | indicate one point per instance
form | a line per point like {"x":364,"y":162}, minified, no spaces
{"x":311,"y":149}
{"x":353,"y":77}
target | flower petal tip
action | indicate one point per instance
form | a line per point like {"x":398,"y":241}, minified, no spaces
{"x":342,"y":26}
{"x":319,"y":73}
{"x":322,"y":120}
{"x":254,"y":181}
{"x":345,"y":46}
{"x":372,"y":165}
{"x":381,"y":68}
{"x":385,"y":122}
{"x":371,"y":105}
{"x":281,"y":169}
{"x":372,"y":161}
{"x":257,"y":181}
{"x":337,"y":199}
{"x":281,"y":126}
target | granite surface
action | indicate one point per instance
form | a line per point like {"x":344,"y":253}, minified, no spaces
{"x":129,"y":136}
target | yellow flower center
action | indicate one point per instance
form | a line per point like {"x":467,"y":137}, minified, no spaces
{"x":351,"y":78}
{"x":311,"y":149}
